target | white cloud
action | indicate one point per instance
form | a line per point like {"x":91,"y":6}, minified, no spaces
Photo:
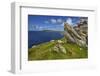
{"x":53,"y":21}
{"x":74,"y":24}
{"x":69,"y":21}
{"x":59,"y":20}
{"x":62,"y":24}
{"x":46,"y":22}
{"x":34,"y":26}
{"x":40,"y":27}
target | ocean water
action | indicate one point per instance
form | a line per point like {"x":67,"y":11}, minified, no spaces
{"x":37,"y":37}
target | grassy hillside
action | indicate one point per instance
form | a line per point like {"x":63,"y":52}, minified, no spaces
{"x":46,"y":51}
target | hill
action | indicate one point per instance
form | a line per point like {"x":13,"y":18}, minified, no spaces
{"x":57,"y":49}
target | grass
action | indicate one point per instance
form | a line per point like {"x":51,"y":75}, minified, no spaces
{"x":45,"y":51}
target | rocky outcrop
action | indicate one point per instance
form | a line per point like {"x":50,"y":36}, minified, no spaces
{"x":59,"y":48}
{"x":76,"y":34}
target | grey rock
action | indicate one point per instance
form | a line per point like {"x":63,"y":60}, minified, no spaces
{"x":75,"y":36}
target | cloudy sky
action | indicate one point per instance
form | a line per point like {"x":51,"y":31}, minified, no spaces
{"x":44,"y":22}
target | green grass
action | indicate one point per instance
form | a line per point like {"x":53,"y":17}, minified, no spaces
{"x":45,"y":51}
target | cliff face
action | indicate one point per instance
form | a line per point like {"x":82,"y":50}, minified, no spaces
{"x":76,"y":34}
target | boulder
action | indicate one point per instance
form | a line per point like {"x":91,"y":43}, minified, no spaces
{"x":75,"y":36}
{"x":62,"y":49}
{"x":56,"y":49}
{"x":59,"y":48}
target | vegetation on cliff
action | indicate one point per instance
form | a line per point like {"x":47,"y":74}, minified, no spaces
{"x":49,"y":51}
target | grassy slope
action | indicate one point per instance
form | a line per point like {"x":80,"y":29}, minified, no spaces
{"x":45,"y":51}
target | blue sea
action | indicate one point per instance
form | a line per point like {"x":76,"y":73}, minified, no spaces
{"x":37,"y":37}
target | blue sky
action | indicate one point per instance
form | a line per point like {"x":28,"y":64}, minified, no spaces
{"x":44,"y":22}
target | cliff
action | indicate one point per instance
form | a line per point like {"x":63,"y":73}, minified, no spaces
{"x":77,"y":35}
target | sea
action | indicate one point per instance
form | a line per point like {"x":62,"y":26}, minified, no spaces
{"x":38,"y":37}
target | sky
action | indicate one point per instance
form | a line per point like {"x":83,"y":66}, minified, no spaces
{"x":44,"y":22}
